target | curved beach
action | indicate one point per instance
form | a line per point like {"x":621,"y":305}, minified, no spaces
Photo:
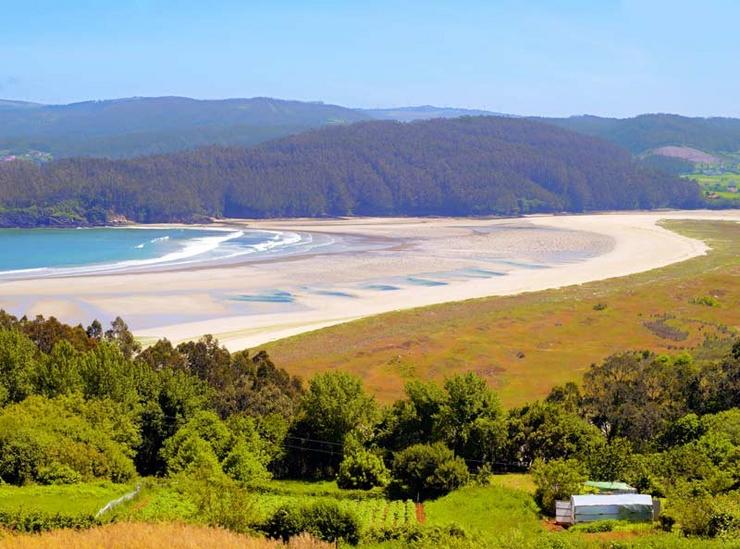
{"x":383,"y":265}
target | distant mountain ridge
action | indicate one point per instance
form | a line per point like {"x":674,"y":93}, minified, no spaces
{"x":139,"y":126}
{"x":425,"y":112}
{"x":461,"y":166}
{"x":644,"y":133}
{"x":120,"y":128}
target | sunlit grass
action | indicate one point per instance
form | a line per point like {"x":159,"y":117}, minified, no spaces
{"x":147,"y":535}
{"x":525,"y":344}
{"x":67,"y":499}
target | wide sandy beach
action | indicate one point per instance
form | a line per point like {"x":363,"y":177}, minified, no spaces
{"x":412,"y":262}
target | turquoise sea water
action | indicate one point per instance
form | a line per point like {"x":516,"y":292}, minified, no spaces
{"x":39,"y":252}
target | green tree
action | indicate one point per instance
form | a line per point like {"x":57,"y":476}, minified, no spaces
{"x":17,"y":366}
{"x":335,"y":405}
{"x":556,"y":480}
{"x":361,"y":468}
{"x":424,"y":471}
{"x":122,"y":336}
{"x":59,"y":372}
{"x":413,"y":420}
{"x":637,"y":395}
{"x":471,"y":420}
{"x":547,"y":431}
{"x":612,"y":461}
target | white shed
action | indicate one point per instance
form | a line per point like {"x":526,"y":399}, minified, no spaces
{"x":590,"y":507}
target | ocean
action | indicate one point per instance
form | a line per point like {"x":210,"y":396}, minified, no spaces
{"x":30,"y":253}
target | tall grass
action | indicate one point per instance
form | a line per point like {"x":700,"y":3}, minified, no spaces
{"x":147,"y":535}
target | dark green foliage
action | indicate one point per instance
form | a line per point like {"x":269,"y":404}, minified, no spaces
{"x":39,"y":521}
{"x":717,"y":386}
{"x":334,"y":406}
{"x":324,"y":520}
{"x":475,"y":165}
{"x":556,"y":480}
{"x":424,"y":471}
{"x":470,"y":420}
{"x":717,"y":516}
{"x":56,"y":440}
{"x":413,"y":420}
{"x":207,"y":442}
{"x":547,"y":431}
{"x":361,"y":469}
{"x":612,"y":461}
{"x":17,"y":366}
{"x":242,"y":383}
{"x":636,"y":395}
{"x":667,"y":164}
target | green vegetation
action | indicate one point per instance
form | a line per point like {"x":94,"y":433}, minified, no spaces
{"x":225,"y":439}
{"x":557,"y":331}
{"x":721,"y":188}
{"x":649,"y":131}
{"x":511,"y":166}
{"x":86,"y":498}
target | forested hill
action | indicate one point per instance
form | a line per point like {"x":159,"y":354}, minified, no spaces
{"x":153,"y":125}
{"x":649,"y":131}
{"x":465,"y":166}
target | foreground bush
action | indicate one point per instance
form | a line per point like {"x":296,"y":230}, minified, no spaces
{"x":362,"y":469}
{"x":40,"y":521}
{"x":424,"y":471}
{"x":556,"y":480}
{"x":325,"y":520}
{"x":708,"y":516}
{"x":63,"y":440}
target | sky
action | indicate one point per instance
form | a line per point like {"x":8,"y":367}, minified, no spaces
{"x":534,"y":57}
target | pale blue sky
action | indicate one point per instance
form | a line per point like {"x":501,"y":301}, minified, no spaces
{"x":606,"y":57}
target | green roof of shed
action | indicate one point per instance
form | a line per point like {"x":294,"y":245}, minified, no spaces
{"x":611,"y":486}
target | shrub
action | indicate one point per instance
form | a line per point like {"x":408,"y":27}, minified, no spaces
{"x":706,"y":300}
{"x":709,"y":516}
{"x":219,"y":500}
{"x":556,"y":480}
{"x":40,"y":521}
{"x":207,"y":440}
{"x":599,"y":307}
{"x":39,"y":435}
{"x":244,"y":466}
{"x":594,"y":527}
{"x":425,"y":471}
{"x":324,"y":520}
{"x":362,"y":469}
{"x":57,"y":473}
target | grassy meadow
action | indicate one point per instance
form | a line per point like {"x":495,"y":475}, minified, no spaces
{"x":525,"y":344}
{"x":500,"y":515}
{"x":86,"y":498}
{"x":170,"y":500}
{"x":718,"y":184}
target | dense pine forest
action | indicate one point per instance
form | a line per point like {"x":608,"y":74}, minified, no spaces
{"x":85,"y":404}
{"x":465,"y":166}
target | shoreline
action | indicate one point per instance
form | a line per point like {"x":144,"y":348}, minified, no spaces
{"x":426,"y":260}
